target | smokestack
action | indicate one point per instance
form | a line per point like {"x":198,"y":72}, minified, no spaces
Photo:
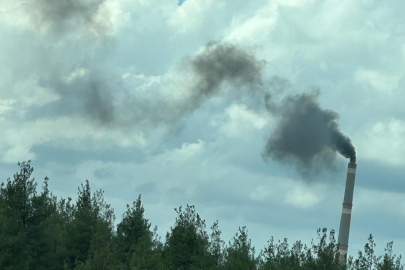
{"x":344,"y":229}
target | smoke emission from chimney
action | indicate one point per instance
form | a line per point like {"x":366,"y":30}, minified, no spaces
{"x":306,"y":134}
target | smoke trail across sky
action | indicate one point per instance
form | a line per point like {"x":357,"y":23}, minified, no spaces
{"x":306,"y":135}
{"x":102,"y":96}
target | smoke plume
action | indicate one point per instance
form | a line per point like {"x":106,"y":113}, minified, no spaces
{"x":224,"y":62}
{"x":217,"y":64}
{"x":62,"y":16}
{"x":306,"y":134}
{"x":103,"y":97}
{"x":91,"y":96}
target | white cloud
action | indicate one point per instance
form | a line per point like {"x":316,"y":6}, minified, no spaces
{"x":6,"y":105}
{"x":191,"y":14}
{"x":29,"y":92}
{"x":181,"y":156}
{"x":109,"y":17}
{"x":261,"y":193}
{"x":377,"y":80}
{"x":77,"y":73}
{"x":385,"y":142}
{"x":17,"y":140}
{"x":370,"y":201}
{"x":303,"y":197}
{"x":257,"y":27}
{"x":13,"y":14}
{"x":238,"y":121}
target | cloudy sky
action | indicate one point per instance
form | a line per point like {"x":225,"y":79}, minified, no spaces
{"x":206,"y":102}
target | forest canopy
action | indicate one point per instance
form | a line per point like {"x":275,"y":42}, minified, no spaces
{"x":40,"y":231}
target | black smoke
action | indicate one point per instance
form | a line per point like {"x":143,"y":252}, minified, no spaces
{"x":306,"y":134}
{"x":216,"y":65}
{"x":221,"y":62}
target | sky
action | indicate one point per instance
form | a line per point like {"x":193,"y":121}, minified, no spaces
{"x":206,"y":102}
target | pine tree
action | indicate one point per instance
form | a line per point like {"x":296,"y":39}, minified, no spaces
{"x":28,"y":238}
{"x":138,"y":246}
{"x":187,"y":243}
{"x":240,"y":255}
{"x":93,"y":220}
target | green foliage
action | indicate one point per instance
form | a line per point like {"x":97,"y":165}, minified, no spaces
{"x":187,"y":243}
{"x":279,"y":256}
{"x":138,"y":246}
{"x":132,"y":227}
{"x":216,"y":248}
{"x":40,"y":231}
{"x":28,"y":236}
{"x":367,"y":260}
{"x":389,"y":261}
{"x":240,"y":255}
{"x":92,"y":221}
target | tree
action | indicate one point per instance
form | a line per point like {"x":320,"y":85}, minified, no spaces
{"x":17,"y":212}
{"x":389,"y":261}
{"x":38,"y":231}
{"x":240,"y":255}
{"x":29,"y":238}
{"x":92,"y":216}
{"x":326,"y":252}
{"x":187,"y":244}
{"x":216,"y":247}
{"x":102,"y":255}
{"x":278,"y":256}
{"x":367,"y":260}
{"x":138,"y":246}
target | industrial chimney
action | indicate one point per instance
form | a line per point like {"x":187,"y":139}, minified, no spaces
{"x":344,"y":229}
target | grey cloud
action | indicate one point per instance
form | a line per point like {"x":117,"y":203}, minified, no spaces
{"x":176,"y":195}
{"x":147,"y":188}
{"x":104,"y":173}
{"x":49,"y":152}
{"x":375,"y":175}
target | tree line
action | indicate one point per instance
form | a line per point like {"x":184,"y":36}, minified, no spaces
{"x":40,"y":231}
